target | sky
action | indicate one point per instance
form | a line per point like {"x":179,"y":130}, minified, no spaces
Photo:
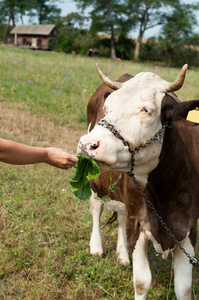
{"x":69,"y":6}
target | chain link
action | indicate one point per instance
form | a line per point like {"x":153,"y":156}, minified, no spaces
{"x":192,"y":259}
{"x":158,"y":136}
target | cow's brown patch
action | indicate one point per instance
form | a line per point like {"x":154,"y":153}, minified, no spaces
{"x":140,"y":287}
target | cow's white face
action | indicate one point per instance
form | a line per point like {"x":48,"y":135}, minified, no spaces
{"x":133,"y":110}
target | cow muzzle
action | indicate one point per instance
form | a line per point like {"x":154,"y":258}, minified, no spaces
{"x":88,"y":148}
{"x":92,"y":148}
{"x":101,"y":145}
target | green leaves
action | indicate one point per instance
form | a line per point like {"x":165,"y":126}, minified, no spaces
{"x":87,"y":169}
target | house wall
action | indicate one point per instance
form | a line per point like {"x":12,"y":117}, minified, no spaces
{"x":32,"y":41}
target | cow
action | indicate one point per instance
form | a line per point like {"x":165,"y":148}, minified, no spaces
{"x":101,"y":184}
{"x":145,"y":133}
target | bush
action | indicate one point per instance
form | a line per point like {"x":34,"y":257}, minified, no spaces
{"x":125,"y":47}
{"x":75,"y":40}
{"x":105,"y":47}
{"x":174,"y":55}
{"x":148,"y":51}
{"x":10,"y":38}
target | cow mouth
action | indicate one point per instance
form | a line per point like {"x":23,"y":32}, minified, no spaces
{"x":103,"y":166}
{"x":98,"y":162}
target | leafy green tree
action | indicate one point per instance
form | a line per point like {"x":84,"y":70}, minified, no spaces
{"x":44,"y":10}
{"x":125,"y":47}
{"x":146,"y":14}
{"x":10,"y":11}
{"x":177,"y":33}
{"x":73,"y":20}
{"x":106,"y":16}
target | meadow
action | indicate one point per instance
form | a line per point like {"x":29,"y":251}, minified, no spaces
{"x":44,"y":229}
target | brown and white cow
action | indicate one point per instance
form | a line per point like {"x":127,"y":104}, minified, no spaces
{"x":168,"y":170}
{"x":101,"y":184}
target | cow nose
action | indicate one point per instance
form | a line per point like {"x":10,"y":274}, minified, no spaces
{"x":94,"y":146}
{"x":87,"y":148}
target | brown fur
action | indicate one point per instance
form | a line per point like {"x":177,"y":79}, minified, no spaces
{"x":125,"y":190}
{"x":173,"y":185}
{"x":168,"y":190}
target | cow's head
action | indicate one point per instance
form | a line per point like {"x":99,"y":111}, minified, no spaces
{"x":134,"y":110}
{"x":95,"y":106}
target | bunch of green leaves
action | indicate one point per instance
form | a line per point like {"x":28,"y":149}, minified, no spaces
{"x":87,"y":169}
{"x":110,"y":189}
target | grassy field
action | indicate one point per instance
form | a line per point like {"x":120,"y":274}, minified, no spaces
{"x":44,"y":229}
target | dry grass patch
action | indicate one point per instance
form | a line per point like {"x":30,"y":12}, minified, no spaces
{"x":44,"y":229}
{"x":37,"y":130}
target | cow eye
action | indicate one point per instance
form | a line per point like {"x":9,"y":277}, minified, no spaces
{"x":146,"y":111}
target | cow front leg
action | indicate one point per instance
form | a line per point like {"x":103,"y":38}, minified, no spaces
{"x":96,"y":208}
{"x":183,"y":271}
{"x":122,"y":250}
{"x":141,"y":269}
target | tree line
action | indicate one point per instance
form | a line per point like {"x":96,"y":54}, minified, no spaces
{"x":109,"y":23}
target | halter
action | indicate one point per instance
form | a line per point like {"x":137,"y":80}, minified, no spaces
{"x":159,"y":137}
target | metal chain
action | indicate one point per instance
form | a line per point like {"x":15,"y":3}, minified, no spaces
{"x":158,"y":136}
{"x":110,"y":127}
{"x":192,"y":260}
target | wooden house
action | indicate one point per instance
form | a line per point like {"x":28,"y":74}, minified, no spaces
{"x":34,"y":36}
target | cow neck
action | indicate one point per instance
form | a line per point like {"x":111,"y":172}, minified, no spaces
{"x":159,"y":137}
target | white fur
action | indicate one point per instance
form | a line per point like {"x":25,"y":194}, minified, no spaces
{"x":124,"y":110}
{"x":156,"y":245}
{"x":96,"y":208}
{"x":144,"y":90}
{"x":183,"y":271}
{"x":141,"y":269}
{"x":122,"y":250}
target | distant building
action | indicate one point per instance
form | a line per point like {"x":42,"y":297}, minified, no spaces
{"x":34,"y":36}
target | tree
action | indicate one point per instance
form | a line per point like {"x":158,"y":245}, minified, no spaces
{"x":178,"y":31}
{"x":10,"y":11}
{"x":72,"y":20}
{"x":146,"y":14}
{"x":106,"y":16}
{"x":44,"y":10}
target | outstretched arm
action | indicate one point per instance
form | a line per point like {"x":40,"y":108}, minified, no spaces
{"x":20,"y":154}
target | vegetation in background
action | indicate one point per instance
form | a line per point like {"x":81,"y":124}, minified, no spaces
{"x":78,"y":32}
{"x":146,"y":15}
{"x":44,"y":228}
{"x":13,"y":10}
{"x":108,"y":17}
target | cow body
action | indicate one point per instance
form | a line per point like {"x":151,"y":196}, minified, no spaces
{"x":100,"y":185}
{"x":168,"y":171}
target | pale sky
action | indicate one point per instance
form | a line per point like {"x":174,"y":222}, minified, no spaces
{"x":68,"y":6}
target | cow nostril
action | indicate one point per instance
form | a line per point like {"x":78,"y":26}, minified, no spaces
{"x":94,"y":146}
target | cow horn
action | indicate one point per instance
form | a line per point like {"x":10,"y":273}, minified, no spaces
{"x":177,"y":84}
{"x":115,"y":85}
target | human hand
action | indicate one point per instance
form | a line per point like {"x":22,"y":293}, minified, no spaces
{"x":59,"y":158}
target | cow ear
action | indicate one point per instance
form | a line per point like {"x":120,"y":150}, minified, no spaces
{"x":106,"y":95}
{"x":183,"y":108}
{"x":172,"y":110}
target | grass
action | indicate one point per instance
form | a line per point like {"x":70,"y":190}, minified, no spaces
{"x":44,"y":229}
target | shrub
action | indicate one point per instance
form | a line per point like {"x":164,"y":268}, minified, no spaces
{"x":125,"y":47}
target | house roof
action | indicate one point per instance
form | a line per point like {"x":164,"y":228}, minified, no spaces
{"x":33,"y":29}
